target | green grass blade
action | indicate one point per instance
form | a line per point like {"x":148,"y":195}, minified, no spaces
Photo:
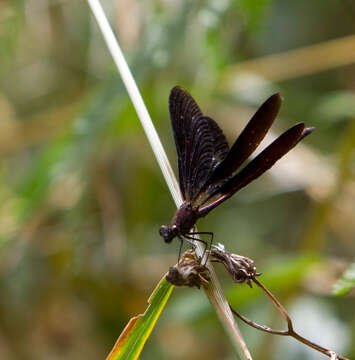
{"x":133,"y":337}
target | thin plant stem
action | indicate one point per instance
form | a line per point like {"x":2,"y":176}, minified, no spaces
{"x":214,"y":291}
{"x":136,"y":99}
{"x":290,"y":331}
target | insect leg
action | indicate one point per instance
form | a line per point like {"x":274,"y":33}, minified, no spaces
{"x":180,"y":248}
{"x":187,"y":239}
{"x":207,"y":246}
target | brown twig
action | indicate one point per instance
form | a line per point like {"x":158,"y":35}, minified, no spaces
{"x":290,"y":331}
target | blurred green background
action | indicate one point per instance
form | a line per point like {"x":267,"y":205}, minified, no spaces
{"x":82,"y":197}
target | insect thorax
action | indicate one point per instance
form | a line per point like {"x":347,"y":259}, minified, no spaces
{"x":185,"y":218}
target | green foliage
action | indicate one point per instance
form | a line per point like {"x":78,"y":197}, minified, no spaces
{"x":347,"y":281}
{"x":82,"y":198}
{"x":131,"y":341}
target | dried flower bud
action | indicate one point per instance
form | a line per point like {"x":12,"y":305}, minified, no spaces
{"x":241,"y":268}
{"x":189,"y":272}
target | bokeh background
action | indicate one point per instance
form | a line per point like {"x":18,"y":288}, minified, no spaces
{"x":82,"y":197}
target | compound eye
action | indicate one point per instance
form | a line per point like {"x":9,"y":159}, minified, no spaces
{"x":163,"y":231}
{"x":166,"y":233}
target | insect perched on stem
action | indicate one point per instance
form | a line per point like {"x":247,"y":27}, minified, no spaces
{"x":208,"y":167}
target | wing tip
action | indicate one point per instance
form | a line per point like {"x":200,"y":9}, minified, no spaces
{"x":275,"y":101}
{"x":178,"y":93}
{"x":177,"y":87}
{"x":270,"y":107}
{"x":306,"y":131}
{"x":176,"y":90}
{"x":302,"y":131}
{"x":277,"y":97}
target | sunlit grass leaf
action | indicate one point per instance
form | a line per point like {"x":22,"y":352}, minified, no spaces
{"x":347,"y":281}
{"x":132,"y":339}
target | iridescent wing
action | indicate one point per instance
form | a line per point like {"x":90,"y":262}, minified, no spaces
{"x":243,"y":147}
{"x":264,"y":161}
{"x":249,"y":139}
{"x":200,"y":143}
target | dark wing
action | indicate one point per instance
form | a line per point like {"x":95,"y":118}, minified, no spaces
{"x":249,"y":139}
{"x":264,"y":161}
{"x":183,"y":112}
{"x":199,"y":142}
{"x":220,"y":144}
